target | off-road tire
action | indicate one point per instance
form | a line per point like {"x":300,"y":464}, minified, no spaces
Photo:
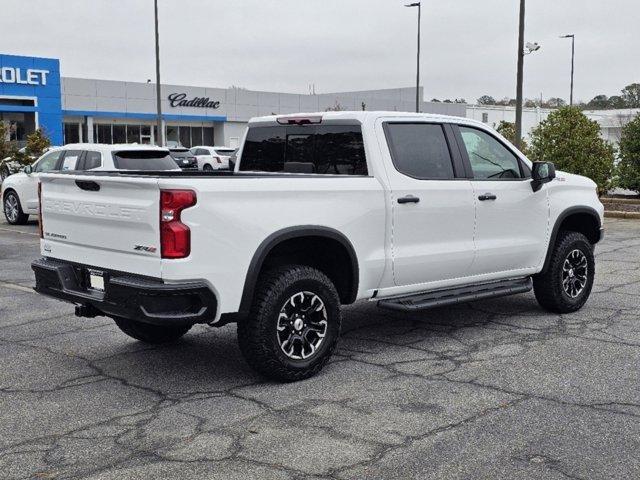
{"x":152,"y":334}
{"x":20,"y":218}
{"x":548,"y":286}
{"x":258,"y":334}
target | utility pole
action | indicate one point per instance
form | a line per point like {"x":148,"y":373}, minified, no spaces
{"x":417,"y":4}
{"x":160,"y":136}
{"x":573,"y":54}
{"x":520,"y":75}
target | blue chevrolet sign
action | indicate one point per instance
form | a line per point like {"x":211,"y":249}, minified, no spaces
{"x":32,"y":85}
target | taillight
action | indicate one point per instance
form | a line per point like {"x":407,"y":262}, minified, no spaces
{"x":175,"y":236}
{"x":40,"y":228}
{"x":217,"y":159}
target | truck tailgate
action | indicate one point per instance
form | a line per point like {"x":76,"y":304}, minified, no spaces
{"x":102,"y":221}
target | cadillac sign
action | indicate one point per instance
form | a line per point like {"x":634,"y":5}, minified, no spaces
{"x":180,"y":100}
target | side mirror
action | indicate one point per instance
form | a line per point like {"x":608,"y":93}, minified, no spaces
{"x":541,"y":173}
{"x":28,"y":169}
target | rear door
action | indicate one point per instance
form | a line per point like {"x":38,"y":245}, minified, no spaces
{"x":105,"y":222}
{"x":512,"y":220}
{"x":432,"y":205}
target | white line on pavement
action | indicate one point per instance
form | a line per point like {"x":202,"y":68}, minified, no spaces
{"x":13,"y":286}
{"x":18,"y":231}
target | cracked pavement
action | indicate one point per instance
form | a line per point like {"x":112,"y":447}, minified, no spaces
{"x":495,"y":389}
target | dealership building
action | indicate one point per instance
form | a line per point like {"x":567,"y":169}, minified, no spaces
{"x":33,"y":94}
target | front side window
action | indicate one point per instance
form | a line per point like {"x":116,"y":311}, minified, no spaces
{"x":314,"y":149}
{"x":490,"y":159}
{"x":48,"y":162}
{"x":420,"y":150}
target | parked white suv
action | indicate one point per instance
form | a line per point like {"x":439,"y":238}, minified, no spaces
{"x":20,"y":191}
{"x":212,"y":158}
{"x":411,"y":211}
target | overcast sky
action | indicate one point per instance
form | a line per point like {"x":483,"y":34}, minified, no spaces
{"x":468,"y":46}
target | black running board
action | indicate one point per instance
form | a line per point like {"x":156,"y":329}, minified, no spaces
{"x":452,"y":296}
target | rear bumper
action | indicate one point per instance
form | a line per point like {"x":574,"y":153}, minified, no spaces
{"x":137,"y":298}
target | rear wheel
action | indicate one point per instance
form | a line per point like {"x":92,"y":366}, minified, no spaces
{"x":13,"y":210}
{"x":566,"y":284}
{"x":294,"y":324}
{"x":147,"y":333}
{"x":207,"y":168}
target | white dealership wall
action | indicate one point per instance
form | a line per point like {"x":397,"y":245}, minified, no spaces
{"x":93,"y":101}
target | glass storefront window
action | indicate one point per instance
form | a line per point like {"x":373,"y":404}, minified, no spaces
{"x":133,"y":133}
{"x":103,"y":134}
{"x":119,"y":134}
{"x":185,"y":137}
{"x":207,"y":136}
{"x":196,"y":136}
{"x":71,"y":133}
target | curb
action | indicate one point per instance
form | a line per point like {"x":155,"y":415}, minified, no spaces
{"x":621,"y":201}
{"x":617,"y":214}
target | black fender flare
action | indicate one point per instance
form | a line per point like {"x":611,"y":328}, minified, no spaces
{"x":556,"y":227}
{"x":287,"y":234}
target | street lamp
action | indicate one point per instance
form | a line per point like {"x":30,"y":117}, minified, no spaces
{"x":573,"y":53}
{"x":160,"y":137}
{"x":417,"y":4}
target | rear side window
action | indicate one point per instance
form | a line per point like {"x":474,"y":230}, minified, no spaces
{"x":92,"y":160}
{"x":317,"y":149}
{"x":143,"y":160}
{"x":420,"y":150}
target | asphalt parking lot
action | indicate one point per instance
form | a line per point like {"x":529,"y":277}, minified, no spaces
{"x":496,"y":389}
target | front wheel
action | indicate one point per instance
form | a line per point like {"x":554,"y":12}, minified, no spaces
{"x":294,"y":324}
{"x":13,"y":209}
{"x":566,"y":284}
{"x":147,"y":333}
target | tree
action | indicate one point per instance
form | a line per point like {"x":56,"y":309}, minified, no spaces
{"x":486,"y":100}
{"x":616,"y":101}
{"x":599,"y":102}
{"x":508,"y":131}
{"x":631,"y":95}
{"x":556,"y":102}
{"x":572,"y":141}
{"x":629,"y":166}
{"x":37,"y":144}
{"x":6,"y":148}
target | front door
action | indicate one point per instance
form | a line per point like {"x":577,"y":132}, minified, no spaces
{"x":512,"y":220}
{"x":432,"y":206}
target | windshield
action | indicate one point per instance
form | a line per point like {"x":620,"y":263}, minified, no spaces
{"x":143,"y":160}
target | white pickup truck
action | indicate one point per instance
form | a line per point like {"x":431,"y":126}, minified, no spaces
{"x":408,"y":210}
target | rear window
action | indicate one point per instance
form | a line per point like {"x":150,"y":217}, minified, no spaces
{"x":225,"y":151}
{"x":318,"y":149}
{"x":181,"y":154}
{"x":143,"y":160}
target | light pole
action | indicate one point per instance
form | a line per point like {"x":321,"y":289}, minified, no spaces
{"x":160,"y":137}
{"x":417,"y":4}
{"x":519,"y":76}
{"x":573,"y":54}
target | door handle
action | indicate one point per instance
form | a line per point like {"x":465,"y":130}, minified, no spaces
{"x":487,"y":196}
{"x":408,"y":199}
